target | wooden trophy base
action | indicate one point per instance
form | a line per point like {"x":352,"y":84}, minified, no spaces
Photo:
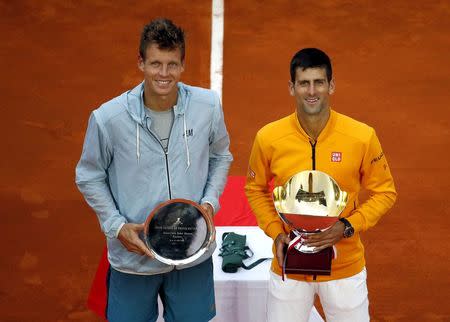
{"x":319,"y":263}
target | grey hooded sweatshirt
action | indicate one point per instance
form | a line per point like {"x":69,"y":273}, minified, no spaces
{"x":124,"y":172}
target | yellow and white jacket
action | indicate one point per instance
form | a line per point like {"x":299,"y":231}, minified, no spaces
{"x":348,"y":151}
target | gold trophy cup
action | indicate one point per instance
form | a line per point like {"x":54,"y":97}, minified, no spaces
{"x":309,"y":202}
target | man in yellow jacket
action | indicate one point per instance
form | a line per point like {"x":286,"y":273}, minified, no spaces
{"x":316,"y":137}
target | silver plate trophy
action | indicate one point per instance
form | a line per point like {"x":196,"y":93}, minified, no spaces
{"x":310,"y":201}
{"x":178,"y":232}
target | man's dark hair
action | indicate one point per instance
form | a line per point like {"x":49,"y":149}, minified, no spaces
{"x":164,"y":33}
{"x":311,"y":58}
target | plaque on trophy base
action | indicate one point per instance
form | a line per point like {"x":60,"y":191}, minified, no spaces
{"x":318,"y":263}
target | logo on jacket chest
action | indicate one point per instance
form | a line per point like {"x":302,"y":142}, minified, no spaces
{"x":188,"y":133}
{"x":336,"y":156}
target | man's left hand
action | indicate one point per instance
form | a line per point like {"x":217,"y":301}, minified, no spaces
{"x":326,"y":238}
{"x":208,"y":208}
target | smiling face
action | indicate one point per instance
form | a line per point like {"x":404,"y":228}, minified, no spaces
{"x":162,"y":70}
{"x":311,"y":90}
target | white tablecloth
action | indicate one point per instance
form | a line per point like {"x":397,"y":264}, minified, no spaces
{"x":241,"y":296}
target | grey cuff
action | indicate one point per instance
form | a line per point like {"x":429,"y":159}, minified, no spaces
{"x":215,"y":208}
{"x":114,"y":227}
{"x":118,"y":229}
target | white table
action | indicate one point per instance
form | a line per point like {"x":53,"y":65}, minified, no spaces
{"x":241,"y":296}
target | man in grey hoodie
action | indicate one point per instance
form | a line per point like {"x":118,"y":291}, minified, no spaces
{"x":159,"y":141}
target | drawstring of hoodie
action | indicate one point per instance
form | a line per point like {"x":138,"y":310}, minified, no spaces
{"x":188,"y":160}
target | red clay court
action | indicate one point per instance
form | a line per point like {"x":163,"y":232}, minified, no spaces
{"x":61,"y":59}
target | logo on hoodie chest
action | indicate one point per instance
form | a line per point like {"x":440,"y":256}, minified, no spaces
{"x":189,"y":133}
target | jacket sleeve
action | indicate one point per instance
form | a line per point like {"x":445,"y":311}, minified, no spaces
{"x":258,"y":192}
{"x":220,"y":158}
{"x":91,"y":177}
{"x":376,"y":178}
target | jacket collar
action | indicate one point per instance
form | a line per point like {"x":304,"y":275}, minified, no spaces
{"x":325,"y":132}
{"x":135,"y":102}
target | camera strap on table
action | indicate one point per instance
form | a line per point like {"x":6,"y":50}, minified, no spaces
{"x":234,"y":251}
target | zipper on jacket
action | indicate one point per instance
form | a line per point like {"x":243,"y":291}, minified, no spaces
{"x":313,"y":157}
{"x":166,"y":153}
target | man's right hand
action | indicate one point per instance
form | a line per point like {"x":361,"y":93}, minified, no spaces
{"x":129,"y":237}
{"x":281,"y":242}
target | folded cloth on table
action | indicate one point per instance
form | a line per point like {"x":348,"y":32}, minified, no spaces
{"x":234,"y":251}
